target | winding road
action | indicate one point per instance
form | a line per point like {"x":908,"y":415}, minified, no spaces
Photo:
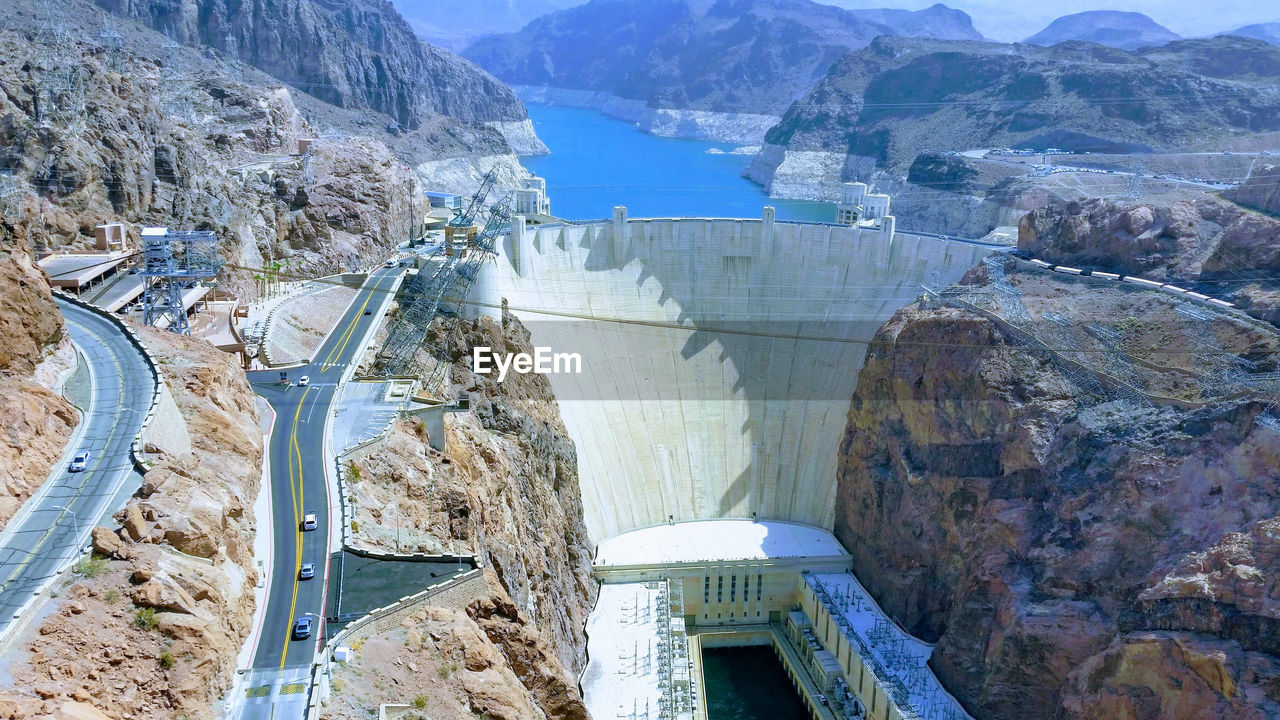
{"x":298,"y":454}
{"x":54,"y":524}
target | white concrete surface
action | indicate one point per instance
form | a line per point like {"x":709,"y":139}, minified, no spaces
{"x":624,"y":676}
{"x":719,"y":356}
{"x":712,"y":540}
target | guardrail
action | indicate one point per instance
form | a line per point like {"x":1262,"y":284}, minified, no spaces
{"x":388,"y":616}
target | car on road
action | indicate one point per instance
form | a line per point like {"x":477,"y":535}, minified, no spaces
{"x":822,"y":699}
{"x":309,"y":521}
{"x":302,"y":628}
{"x":79,"y":462}
{"x":390,"y":263}
{"x":307,"y":571}
{"x":304,"y":381}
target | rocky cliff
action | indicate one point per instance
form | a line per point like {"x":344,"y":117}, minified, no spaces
{"x":1074,"y":553}
{"x":33,"y":353}
{"x":227,"y":164}
{"x":153,"y":624}
{"x":358,"y":54}
{"x":1218,"y":247}
{"x":1260,"y":189}
{"x":742,"y":60}
{"x":506,"y":490}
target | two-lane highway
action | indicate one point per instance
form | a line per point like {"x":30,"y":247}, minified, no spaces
{"x":277,"y":686}
{"x":50,"y":529}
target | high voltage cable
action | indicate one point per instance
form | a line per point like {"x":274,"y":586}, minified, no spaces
{"x":727,"y":330}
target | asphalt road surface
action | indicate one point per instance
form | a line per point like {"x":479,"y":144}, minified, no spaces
{"x":299,"y":486}
{"x":55,"y":524}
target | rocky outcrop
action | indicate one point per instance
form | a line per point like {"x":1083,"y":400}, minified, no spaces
{"x":154,"y":623}
{"x":1073,"y":555}
{"x":505,"y":489}
{"x":1260,"y":190}
{"x":33,"y":351}
{"x":358,"y":54}
{"x":1216,"y":246}
{"x":459,"y":661}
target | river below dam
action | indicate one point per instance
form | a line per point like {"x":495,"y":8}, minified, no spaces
{"x":597,"y":162}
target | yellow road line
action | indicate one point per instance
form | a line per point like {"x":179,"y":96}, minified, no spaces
{"x":298,"y":499}
{"x":346,"y":336}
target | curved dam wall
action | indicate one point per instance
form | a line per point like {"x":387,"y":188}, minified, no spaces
{"x":718,"y":356}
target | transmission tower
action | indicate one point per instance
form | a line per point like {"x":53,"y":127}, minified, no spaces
{"x":175,"y":106}
{"x":58,"y":80}
{"x":112,"y":46}
{"x":173,"y":263}
{"x":10,"y":196}
{"x":467,"y":248}
{"x":1136,"y":173}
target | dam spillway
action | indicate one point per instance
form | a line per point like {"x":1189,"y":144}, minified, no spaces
{"x":718,"y":355}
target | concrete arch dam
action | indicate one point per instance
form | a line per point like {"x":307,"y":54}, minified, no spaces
{"x":718,"y":355}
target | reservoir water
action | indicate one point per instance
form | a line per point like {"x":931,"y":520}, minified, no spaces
{"x":748,"y":683}
{"x":597,"y":162}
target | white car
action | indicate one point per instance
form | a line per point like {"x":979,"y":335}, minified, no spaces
{"x":79,"y":462}
{"x":304,"y":381}
{"x":390,"y":263}
{"x":309,"y":522}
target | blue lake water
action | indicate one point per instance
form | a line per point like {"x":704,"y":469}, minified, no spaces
{"x":597,"y":162}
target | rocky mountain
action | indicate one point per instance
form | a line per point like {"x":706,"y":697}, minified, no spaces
{"x":359,"y":54}
{"x":187,"y":137}
{"x":691,"y":64}
{"x":880,"y":108}
{"x":455,"y":24}
{"x":1114,"y":28}
{"x":1074,"y":553}
{"x":1267,"y":32}
{"x":936,"y":21}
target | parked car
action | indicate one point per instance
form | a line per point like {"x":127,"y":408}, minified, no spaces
{"x":309,"y":521}
{"x":307,"y":571}
{"x":304,"y":381}
{"x":79,"y":462}
{"x":302,"y":628}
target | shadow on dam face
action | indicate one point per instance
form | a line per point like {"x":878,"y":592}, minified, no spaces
{"x":718,"y":357}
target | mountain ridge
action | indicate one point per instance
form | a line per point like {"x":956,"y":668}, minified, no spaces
{"x":1114,"y":28}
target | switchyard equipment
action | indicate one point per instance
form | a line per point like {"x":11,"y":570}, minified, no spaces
{"x":174,"y":261}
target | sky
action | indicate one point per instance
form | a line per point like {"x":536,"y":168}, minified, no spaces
{"x":1008,"y":21}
